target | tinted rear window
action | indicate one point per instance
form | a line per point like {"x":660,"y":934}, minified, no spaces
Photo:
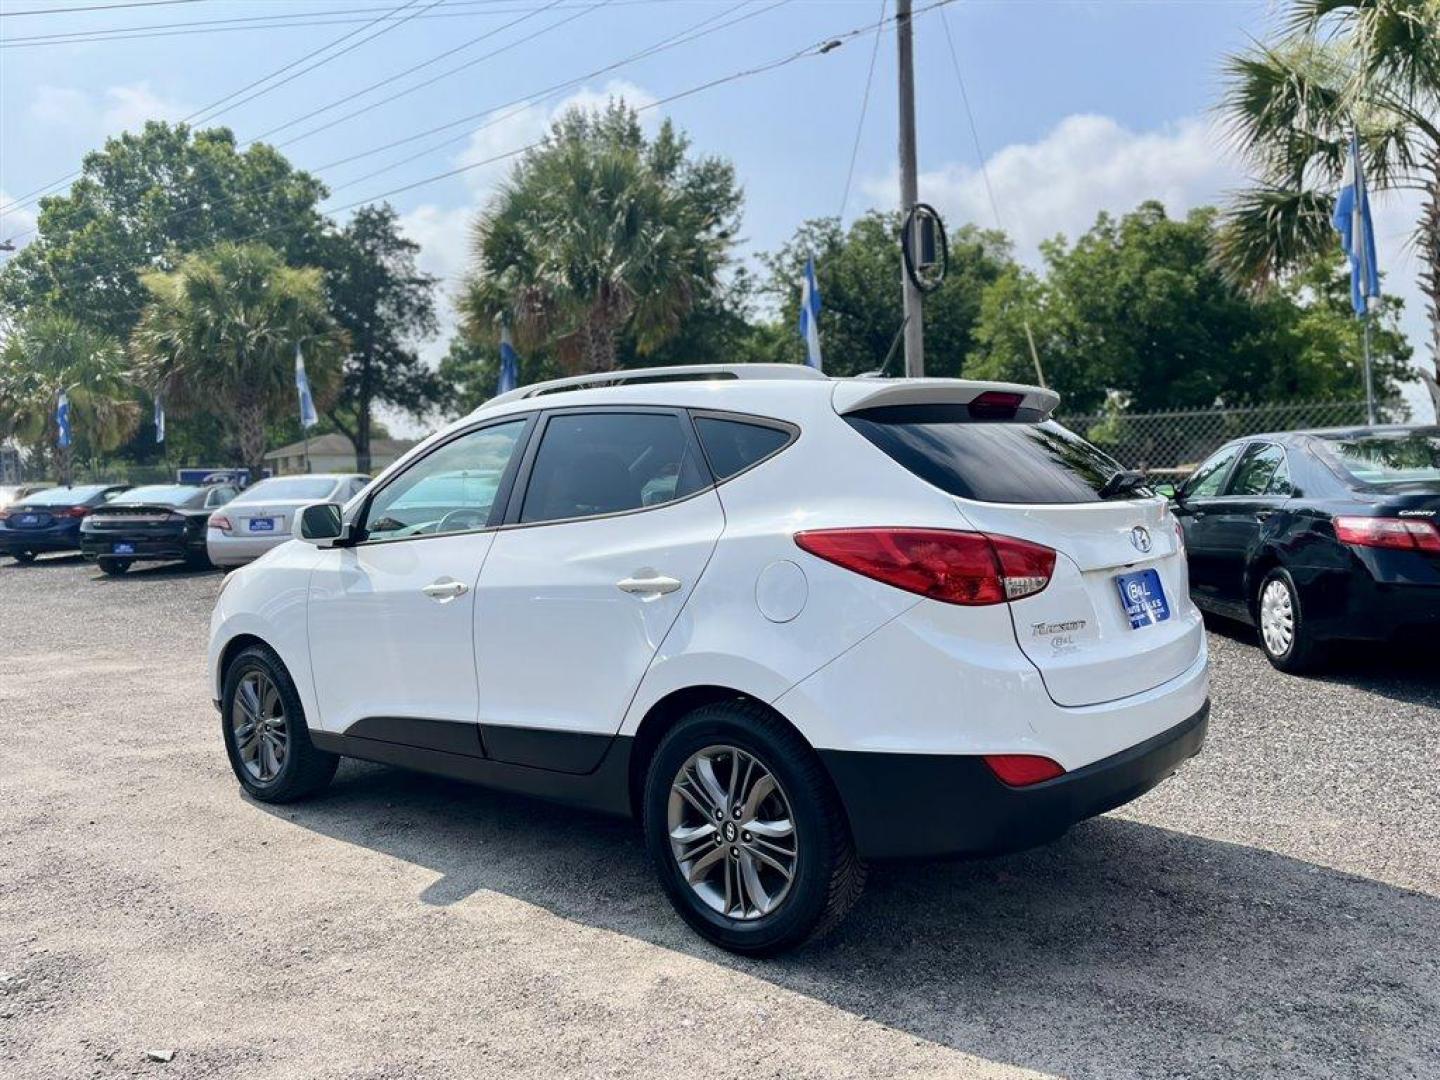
{"x":1003,"y":462}
{"x":1409,"y":457}
{"x":732,"y":446}
{"x":63,"y":496}
{"x":161,"y":494}
{"x":289,"y":487}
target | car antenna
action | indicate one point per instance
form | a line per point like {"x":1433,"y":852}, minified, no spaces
{"x":894,"y":344}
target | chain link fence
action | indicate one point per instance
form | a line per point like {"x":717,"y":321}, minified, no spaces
{"x":1171,"y":444}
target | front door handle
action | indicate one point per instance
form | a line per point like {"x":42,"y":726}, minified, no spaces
{"x":648,"y":586}
{"x":445,"y":590}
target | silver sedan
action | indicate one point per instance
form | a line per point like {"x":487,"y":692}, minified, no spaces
{"x":260,"y":517}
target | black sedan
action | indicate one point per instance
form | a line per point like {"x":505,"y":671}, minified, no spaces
{"x":1318,"y":536}
{"x":158,"y":523}
{"x":49,"y":520}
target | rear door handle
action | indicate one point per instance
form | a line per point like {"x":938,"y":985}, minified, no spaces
{"x":648,"y":586}
{"x":445,"y":590}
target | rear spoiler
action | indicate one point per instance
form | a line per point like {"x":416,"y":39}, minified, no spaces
{"x":853,"y":395}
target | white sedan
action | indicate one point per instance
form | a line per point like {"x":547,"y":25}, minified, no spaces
{"x":260,"y":517}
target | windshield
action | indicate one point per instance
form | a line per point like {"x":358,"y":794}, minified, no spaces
{"x":1008,"y":462}
{"x":1389,"y":459}
{"x":63,"y":496}
{"x":300,"y":488}
{"x":164,"y":494}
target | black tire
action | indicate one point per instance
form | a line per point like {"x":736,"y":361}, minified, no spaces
{"x":1303,"y":653}
{"x":23,"y":556}
{"x":828,"y":876}
{"x":113,"y":567}
{"x":198,"y":560}
{"x":304,"y":770}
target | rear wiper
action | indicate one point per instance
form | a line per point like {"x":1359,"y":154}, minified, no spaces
{"x":1122,"y":482}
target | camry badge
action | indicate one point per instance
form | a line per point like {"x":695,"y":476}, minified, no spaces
{"x":1140,"y":537}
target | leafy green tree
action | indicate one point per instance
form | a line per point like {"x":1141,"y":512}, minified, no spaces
{"x":219,"y":338}
{"x":142,"y":204}
{"x":386,"y":306}
{"x":858,"y":272}
{"x":598,"y":233}
{"x":45,"y":355}
{"x":1137,"y":310}
{"x":1371,"y":66}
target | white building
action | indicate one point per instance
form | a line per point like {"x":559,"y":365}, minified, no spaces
{"x":334,"y":453}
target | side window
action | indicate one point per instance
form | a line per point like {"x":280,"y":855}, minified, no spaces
{"x":1280,"y":482}
{"x":1206,"y":480}
{"x":449,"y":490}
{"x":356,"y":486}
{"x":1257,"y":469}
{"x":605,"y":463}
{"x":732,"y":446}
{"x":219,"y":496}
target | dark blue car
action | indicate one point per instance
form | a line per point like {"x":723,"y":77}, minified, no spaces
{"x":49,"y":520}
{"x":1319,"y":537}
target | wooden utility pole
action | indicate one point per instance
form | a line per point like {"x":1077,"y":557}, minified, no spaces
{"x":909,"y":191}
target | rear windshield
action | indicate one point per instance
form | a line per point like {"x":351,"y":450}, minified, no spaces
{"x":64,"y":496}
{"x":163,"y":494}
{"x":289,"y":487}
{"x":1387,"y":460}
{"x":1001,"y":461}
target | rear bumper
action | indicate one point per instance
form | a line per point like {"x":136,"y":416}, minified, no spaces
{"x":236,"y":550}
{"x":13,"y":540}
{"x":936,"y":805}
{"x":102,"y":545}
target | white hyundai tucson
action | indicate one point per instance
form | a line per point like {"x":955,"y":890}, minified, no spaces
{"x":791,"y":623}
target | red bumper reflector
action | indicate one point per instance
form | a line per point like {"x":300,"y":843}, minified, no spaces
{"x":1021,"y":770}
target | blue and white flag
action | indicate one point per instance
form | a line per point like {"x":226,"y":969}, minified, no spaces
{"x":159,"y":420}
{"x":810,"y":316}
{"x":509,"y":362}
{"x":1357,"y":231}
{"x":62,"y":419}
{"x":308,"y":418}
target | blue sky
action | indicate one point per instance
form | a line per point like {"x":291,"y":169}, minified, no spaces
{"x":1080,"y":106}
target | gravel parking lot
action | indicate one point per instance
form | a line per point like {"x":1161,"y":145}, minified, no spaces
{"x":1274,"y":910}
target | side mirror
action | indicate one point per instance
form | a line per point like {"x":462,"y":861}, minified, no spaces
{"x":320,"y":524}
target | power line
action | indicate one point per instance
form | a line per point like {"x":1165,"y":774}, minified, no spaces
{"x":289,"y":20}
{"x":28,"y":197}
{"x":864,"y":107}
{"x":424,"y":64}
{"x":98,"y":7}
{"x":691,"y":33}
{"x":818,"y":49}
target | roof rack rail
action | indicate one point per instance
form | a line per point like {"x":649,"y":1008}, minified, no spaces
{"x":678,"y":373}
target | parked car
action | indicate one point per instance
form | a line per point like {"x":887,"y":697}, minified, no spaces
{"x":1316,"y":537}
{"x":13,"y":493}
{"x":261,"y":517}
{"x":155,"y":523}
{"x":49,"y":520}
{"x":791,"y":623}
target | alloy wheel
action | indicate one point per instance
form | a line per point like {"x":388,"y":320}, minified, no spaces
{"x":1277,"y":617}
{"x":257,"y":718}
{"x":732,"y":833}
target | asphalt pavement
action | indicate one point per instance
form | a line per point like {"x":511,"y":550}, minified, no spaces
{"x":1273,"y":910}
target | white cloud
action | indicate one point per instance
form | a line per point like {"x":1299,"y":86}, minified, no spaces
{"x":1089,"y":163}
{"x":1085,"y":164}
{"x":110,"y":111}
{"x":14,"y":223}
{"x":506,"y":130}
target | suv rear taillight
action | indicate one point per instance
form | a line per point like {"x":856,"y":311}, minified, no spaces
{"x":968,"y":568}
{"x":996,"y":405}
{"x":1405,"y":534}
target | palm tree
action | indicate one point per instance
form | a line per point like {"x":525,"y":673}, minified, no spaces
{"x":1368,"y":66}
{"x":49,"y":354}
{"x":219,"y":338}
{"x":599,"y":231}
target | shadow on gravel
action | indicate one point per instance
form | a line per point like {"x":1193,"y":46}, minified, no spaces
{"x":1402,"y":671}
{"x":155,"y":572}
{"x":1122,"y":949}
